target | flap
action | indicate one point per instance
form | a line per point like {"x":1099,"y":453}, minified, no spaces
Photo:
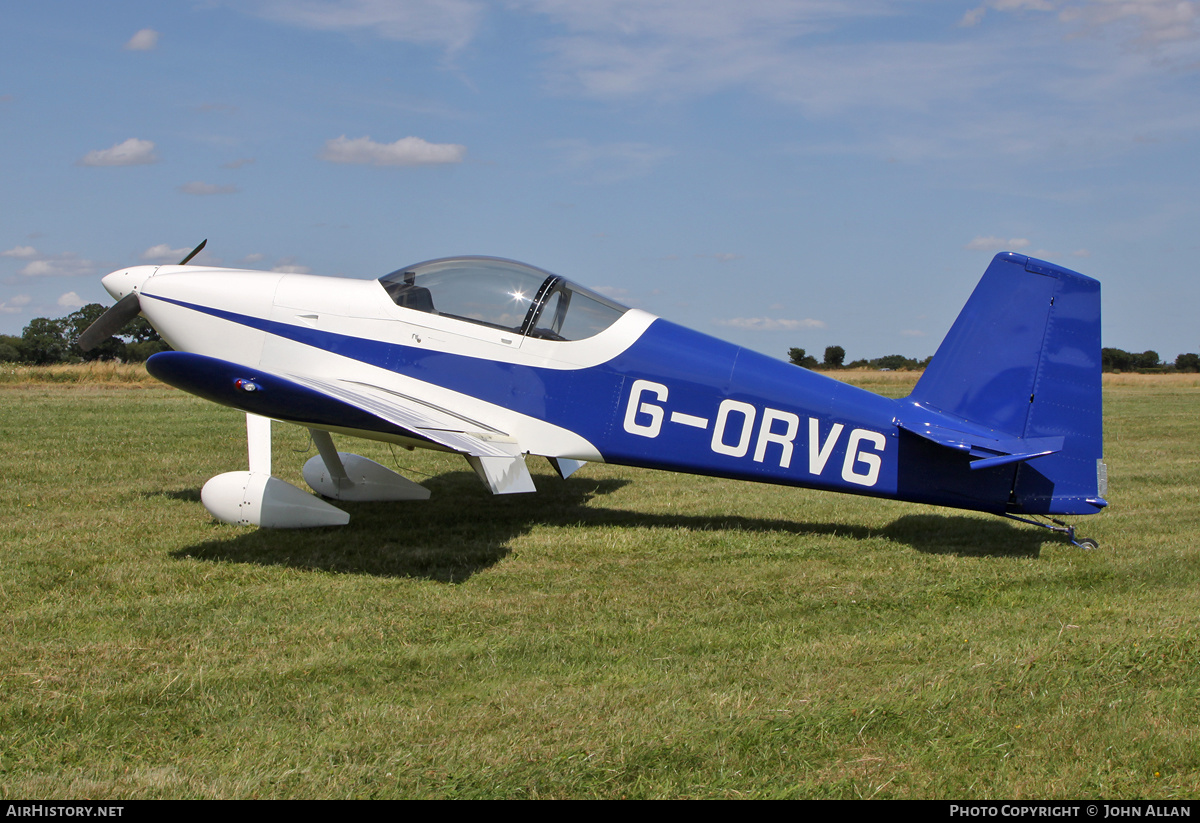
{"x":433,"y":422}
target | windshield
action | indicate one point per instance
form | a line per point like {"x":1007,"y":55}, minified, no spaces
{"x":502,"y":294}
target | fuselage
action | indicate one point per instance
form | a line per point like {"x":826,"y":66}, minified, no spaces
{"x":641,"y":392}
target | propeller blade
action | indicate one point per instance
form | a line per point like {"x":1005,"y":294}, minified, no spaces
{"x":195,"y":251}
{"x":111,"y":322}
{"x":122,"y":312}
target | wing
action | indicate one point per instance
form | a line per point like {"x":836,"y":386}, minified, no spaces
{"x":350,"y":407}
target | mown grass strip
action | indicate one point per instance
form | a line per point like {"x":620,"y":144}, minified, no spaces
{"x":620,"y":634}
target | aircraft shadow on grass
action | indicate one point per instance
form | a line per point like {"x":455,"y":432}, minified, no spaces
{"x":183,"y":495}
{"x":443,"y":540}
{"x":500,"y":362}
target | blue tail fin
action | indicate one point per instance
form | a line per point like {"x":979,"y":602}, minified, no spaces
{"x":1016,"y":383}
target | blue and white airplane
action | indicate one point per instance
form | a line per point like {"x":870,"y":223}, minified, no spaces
{"x":498,"y":360}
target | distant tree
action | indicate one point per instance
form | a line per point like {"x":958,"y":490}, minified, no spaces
{"x":1188,"y":363}
{"x":11,"y":349}
{"x":140,"y":331}
{"x":799,"y":357}
{"x":76,"y":323}
{"x":139,"y":352}
{"x":894,"y":362}
{"x":1147,"y":360}
{"x":134,"y":343}
{"x":1115,"y":360}
{"x":44,"y":342}
{"x":1121,"y":360}
{"x":834,"y":357}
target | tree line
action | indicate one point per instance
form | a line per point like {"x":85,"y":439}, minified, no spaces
{"x":835,"y":358}
{"x":1111,"y":360}
{"x":1119,"y":360}
{"x":47,"y":341}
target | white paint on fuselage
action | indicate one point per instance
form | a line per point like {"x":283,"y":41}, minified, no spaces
{"x":361,"y":309}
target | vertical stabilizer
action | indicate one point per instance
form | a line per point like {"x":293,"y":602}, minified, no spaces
{"x":1023,"y":360}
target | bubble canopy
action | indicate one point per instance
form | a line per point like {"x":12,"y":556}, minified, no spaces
{"x":503,"y":294}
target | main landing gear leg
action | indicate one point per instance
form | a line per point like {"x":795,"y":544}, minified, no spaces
{"x":1061,"y":528}
{"x":344,"y":476}
{"x":255,"y":498}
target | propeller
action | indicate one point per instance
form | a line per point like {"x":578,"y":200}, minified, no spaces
{"x":111,"y":322}
{"x":194,"y":252}
{"x":122,"y":312}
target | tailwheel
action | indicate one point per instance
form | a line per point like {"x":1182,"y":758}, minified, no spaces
{"x":1060,"y":527}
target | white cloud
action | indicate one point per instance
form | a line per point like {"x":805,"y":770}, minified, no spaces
{"x":15,"y":305}
{"x":144,"y":40}
{"x":1081,"y":253}
{"x":1151,"y":22}
{"x":609,"y":162}
{"x":615,"y":292}
{"x":288,"y":265}
{"x":198,"y":188}
{"x":770,"y":323}
{"x":993,"y":243}
{"x":71,"y":300}
{"x":162,"y":253}
{"x":21,"y":252}
{"x":1148,"y":22}
{"x":132,"y":152}
{"x":664,"y":48}
{"x":903,"y":92}
{"x":896,"y":92}
{"x":408,"y":151}
{"x":972,"y":17}
{"x":63,"y":265}
{"x":448,"y":23}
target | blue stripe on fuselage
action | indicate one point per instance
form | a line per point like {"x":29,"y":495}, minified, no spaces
{"x":698,"y":373}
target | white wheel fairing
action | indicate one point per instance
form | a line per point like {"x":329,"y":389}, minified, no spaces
{"x":256,"y":499}
{"x":364,"y":480}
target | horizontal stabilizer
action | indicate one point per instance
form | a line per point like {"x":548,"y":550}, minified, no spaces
{"x":1018,"y":378}
{"x":987,"y":451}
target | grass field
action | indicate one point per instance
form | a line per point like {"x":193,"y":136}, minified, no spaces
{"x":621,"y":634}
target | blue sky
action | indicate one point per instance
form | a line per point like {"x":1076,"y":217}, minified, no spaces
{"x":802,"y":173}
